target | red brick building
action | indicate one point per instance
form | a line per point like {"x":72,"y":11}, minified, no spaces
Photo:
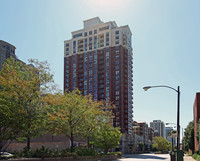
{"x":196,"y":110}
{"x":98,"y":61}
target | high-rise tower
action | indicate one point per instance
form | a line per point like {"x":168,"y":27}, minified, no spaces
{"x":98,"y":61}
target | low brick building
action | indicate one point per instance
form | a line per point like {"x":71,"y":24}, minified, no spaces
{"x":196,"y":111}
{"x":59,"y":142}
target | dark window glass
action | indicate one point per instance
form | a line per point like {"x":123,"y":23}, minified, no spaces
{"x":95,"y":31}
{"x":8,"y":47}
{"x":77,"y":35}
{"x":116,"y":32}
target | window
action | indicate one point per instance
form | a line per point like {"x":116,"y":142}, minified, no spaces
{"x":117,"y":67}
{"x":117,"y":57}
{"x":117,"y":82}
{"x":117,"y":103}
{"x":117,"y":48}
{"x":101,"y":86}
{"x":117,"y":77}
{"x":117,"y":32}
{"x":116,"y":42}
{"x":67,"y":53}
{"x":67,"y":49}
{"x":117,"y":72}
{"x":90,"y":32}
{"x":117,"y":98}
{"x":101,"y":95}
{"x":85,"y":34}
{"x":117,"y":92}
{"x":116,"y":37}
{"x":101,"y":81}
{"x":77,"y":35}
{"x":101,"y":91}
{"x":95,"y":31}
{"x":101,"y":76}
{"x":67,"y":45}
{"x":117,"y":62}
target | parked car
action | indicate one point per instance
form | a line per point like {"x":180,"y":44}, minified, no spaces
{"x":6,"y":155}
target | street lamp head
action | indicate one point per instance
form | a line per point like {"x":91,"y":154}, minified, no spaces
{"x":146,"y":88}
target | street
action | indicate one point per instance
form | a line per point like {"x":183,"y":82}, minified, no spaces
{"x":145,"y":157}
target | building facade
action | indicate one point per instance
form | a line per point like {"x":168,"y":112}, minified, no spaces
{"x":196,"y":115}
{"x":98,"y":61}
{"x":159,"y":128}
{"x":151,"y":133}
{"x":170,"y":139}
{"x":6,"y":51}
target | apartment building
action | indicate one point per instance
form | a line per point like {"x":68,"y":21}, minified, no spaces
{"x":98,"y":61}
{"x":6,"y":51}
{"x":159,"y":128}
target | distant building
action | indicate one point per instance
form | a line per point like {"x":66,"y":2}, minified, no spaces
{"x":150,"y":133}
{"x":196,"y":111}
{"x":159,"y":128}
{"x":167,"y":129}
{"x":141,"y":132}
{"x":6,"y":51}
{"x":98,"y":61}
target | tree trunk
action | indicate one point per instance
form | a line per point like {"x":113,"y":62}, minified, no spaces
{"x":72,"y":142}
{"x":28,"y":143}
{"x":105,"y":150}
{"x":88,"y":140}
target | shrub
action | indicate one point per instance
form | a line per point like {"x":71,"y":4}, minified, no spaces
{"x":196,"y":156}
{"x":119,"y":154}
{"x":25,"y":153}
{"x":85,"y":151}
{"x":42,"y":153}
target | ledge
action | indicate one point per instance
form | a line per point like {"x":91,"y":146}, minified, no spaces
{"x":83,"y":158}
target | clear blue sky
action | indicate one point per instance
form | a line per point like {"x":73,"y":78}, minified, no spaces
{"x":166,"y":44}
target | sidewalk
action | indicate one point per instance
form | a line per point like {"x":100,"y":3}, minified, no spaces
{"x":188,"y":158}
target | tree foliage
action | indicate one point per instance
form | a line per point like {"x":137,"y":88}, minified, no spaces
{"x":107,"y":137}
{"x":188,"y":139}
{"x":21,"y":91}
{"x":161,"y":144}
{"x":73,"y":114}
{"x":30,"y":106}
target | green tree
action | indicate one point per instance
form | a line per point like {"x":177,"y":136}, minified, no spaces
{"x":188,"y":139}
{"x":24,"y":86}
{"x":75,"y":115}
{"x":198,"y":132}
{"x":107,"y":137}
{"x":10,"y":122}
{"x":99,"y":113}
{"x":67,"y":113}
{"x":161,"y":144}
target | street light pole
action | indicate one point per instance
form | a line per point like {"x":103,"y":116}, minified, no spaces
{"x":178,"y":115}
{"x":178,"y":109}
